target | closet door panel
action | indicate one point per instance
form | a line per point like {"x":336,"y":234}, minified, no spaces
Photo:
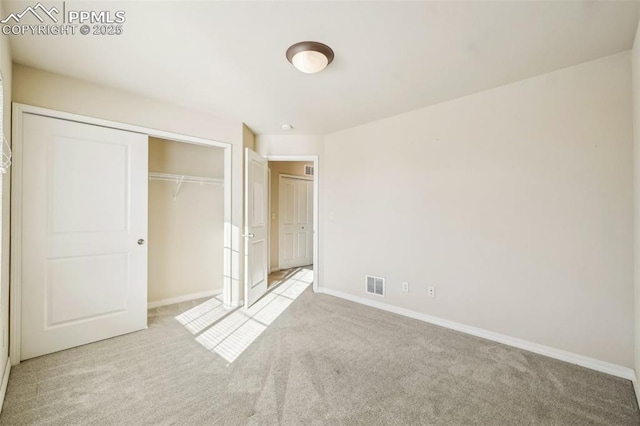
{"x":84,"y":265}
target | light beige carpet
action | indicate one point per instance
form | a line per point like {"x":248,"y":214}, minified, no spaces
{"x":323,"y":361}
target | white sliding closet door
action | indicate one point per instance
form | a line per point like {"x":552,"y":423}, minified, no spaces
{"x":84,"y":225}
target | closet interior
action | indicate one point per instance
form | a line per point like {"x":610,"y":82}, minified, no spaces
{"x":186,"y":221}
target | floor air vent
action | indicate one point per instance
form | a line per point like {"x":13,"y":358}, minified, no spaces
{"x":375,"y":285}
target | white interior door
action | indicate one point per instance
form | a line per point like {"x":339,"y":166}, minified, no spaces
{"x":84,"y":258}
{"x":255,"y":226}
{"x":296,"y":222}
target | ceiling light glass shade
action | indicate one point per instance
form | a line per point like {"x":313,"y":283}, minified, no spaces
{"x":310,"y":56}
{"x":310,"y":62}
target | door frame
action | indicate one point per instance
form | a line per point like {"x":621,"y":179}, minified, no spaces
{"x":316,"y":210}
{"x":280,"y":224}
{"x":15,"y":280}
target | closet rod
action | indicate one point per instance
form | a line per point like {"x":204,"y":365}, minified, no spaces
{"x":185,"y":178}
{"x":180,"y":179}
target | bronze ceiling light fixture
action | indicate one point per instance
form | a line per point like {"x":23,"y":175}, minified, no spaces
{"x":310,"y":57}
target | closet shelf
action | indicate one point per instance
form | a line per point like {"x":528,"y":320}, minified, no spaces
{"x":180,"y":179}
{"x":185,"y":178}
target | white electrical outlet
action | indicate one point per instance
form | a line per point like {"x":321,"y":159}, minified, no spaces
{"x":405,"y":287}
{"x":431,"y":291}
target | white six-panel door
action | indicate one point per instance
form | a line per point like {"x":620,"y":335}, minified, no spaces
{"x":84,"y":268}
{"x":256,"y":192}
{"x":296,"y":222}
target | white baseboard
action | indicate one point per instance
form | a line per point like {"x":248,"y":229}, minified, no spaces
{"x":573,"y":358}
{"x":636,"y":387}
{"x":185,"y":298}
{"x":5,"y":382}
{"x":276,"y":269}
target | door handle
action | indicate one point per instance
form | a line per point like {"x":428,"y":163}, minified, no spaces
{"x":303,"y":227}
{"x":140,"y":242}
{"x":249,"y":235}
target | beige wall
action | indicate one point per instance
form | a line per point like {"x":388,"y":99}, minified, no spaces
{"x":635,"y":68}
{"x":295,"y":168}
{"x":289,"y":144}
{"x":54,"y":91}
{"x":186,"y":235}
{"x":248,"y":138}
{"x":185,"y":159}
{"x":515,"y":203}
{"x":6,"y":70}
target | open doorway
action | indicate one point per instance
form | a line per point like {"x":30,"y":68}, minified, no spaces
{"x":292,"y":222}
{"x":186,"y":222}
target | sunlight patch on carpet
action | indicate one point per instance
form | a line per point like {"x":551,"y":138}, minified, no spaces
{"x":196,"y":312}
{"x":229,"y":332}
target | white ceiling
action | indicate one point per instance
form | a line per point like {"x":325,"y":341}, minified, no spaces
{"x":228,"y":58}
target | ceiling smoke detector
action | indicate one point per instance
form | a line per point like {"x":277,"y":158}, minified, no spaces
{"x":310,"y":57}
